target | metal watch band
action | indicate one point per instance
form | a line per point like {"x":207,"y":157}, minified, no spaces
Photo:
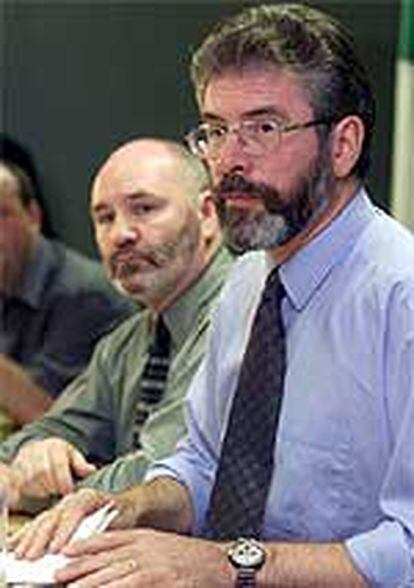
{"x":246,"y":578}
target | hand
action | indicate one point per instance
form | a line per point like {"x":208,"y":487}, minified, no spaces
{"x":50,"y":467}
{"x":11,"y":482}
{"x":51,"y":530}
{"x":146,"y":559}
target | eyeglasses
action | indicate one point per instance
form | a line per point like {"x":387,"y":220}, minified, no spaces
{"x":257,"y":134}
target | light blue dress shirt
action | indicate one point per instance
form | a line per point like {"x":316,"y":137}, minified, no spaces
{"x":345,"y":447}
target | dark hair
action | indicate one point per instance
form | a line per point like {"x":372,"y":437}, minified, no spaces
{"x":26,"y":190}
{"x":20,"y":162}
{"x":309,"y":43}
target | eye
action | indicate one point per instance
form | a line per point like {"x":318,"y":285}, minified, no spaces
{"x":265,"y":127}
{"x":215,"y":132}
{"x":103,"y":218}
{"x":141,"y":208}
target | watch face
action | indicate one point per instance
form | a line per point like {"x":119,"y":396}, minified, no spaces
{"x":247,"y":553}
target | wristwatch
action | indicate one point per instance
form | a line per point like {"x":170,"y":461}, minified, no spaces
{"x":247,"y":556}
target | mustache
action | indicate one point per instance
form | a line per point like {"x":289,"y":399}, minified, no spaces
{"x":232,"y":183}
{"x":126,"y":256}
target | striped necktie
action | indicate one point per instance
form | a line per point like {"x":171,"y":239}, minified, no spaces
{"x":240,"y":490}
{"x":154,"y":377}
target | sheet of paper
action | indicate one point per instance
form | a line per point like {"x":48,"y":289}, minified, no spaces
{"x":42,"y":570}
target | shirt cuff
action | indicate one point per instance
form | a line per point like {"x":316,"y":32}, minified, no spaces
{"x":383,"y":555}
{"x":196,"y":487}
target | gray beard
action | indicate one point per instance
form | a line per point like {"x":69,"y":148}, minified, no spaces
{"x":280,"y":219}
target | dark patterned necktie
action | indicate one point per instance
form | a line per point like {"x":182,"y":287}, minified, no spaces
{"x":239,"y":495}
{"x":154,"y":377}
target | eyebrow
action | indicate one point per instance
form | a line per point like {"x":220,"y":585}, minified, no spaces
{"x":264,"y":110}
{"x":96,"y":208}
{"x":130,"y":196}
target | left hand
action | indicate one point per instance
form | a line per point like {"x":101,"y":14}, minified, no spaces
{"x":146,"y":558}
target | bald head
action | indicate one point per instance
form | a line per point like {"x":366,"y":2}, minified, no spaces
{"x":149,"y":158}
{"x":155,"y":223}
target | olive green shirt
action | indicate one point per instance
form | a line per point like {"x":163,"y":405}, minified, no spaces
{"x":96,"y":412}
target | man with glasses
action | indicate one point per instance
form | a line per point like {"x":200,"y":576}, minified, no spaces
{"x":314,"y":335}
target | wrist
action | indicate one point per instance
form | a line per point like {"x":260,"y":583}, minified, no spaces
{"x":247,"y":557}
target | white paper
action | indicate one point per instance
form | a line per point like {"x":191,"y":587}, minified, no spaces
{"x":42,"y":570}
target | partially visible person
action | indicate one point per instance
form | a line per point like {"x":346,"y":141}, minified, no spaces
{"x":160,"y":240}
{"x":55,"y":304}
{"x":318,"y":322}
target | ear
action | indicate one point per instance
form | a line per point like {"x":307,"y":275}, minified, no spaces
{"x":347,"y":138}
{"x":209,"y":220}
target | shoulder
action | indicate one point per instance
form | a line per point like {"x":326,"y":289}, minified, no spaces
{"x":79,"y":277}
{"x":76,"y":270}
{"x":385,"y":253}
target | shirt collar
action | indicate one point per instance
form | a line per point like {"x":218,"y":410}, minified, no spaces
{"x":182,"y":315}
{"x":304,"y":273}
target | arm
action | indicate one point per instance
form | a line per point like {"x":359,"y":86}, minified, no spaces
{"x":20,"y":397}
{"x":147,"y":558}
{"x":163,"y":504}
{"x":159,"y":436}
{"x":309,"y":565}
{"x":54,"y":452}
{"x":81,"y":416}
{"x":122,"y":473}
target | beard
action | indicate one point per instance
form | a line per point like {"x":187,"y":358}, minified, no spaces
{"x":151,"y":273}
{"x":281,"y":216}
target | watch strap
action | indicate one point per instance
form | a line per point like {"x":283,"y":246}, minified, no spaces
{"x":246,"y":578}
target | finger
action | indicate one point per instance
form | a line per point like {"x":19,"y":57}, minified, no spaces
{"x":68,"y":523}
{"x":80,"y":466}
{"x":102,"y":542}
{"x":35,"y":537}
{"x":83,"y":567}
{"x":61,"y":473}
{"x":74,"y":508}
{"x":102,"y":573}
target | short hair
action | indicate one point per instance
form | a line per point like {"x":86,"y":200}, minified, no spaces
{"x":304,"y":40}
{"x":25,"y":187}
{"x":19,"y":161}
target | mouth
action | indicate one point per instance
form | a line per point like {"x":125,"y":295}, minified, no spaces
{"x":124,"y":265}
{"x":241,"y":197}
{"x":241,"y":200}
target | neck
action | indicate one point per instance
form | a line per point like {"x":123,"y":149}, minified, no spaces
{"x":345,"y":190}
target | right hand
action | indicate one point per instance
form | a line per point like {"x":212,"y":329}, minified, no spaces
{"x":50,"y":467}
{"x":52,"y":529}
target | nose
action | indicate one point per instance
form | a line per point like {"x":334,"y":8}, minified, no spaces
{"x":124,"y":232}
{"x":232,"y":157}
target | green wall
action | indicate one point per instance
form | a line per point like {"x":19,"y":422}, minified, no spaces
{"x":80,"y":77}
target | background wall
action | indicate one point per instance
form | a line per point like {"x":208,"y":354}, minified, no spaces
{"x":80,"y":77}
